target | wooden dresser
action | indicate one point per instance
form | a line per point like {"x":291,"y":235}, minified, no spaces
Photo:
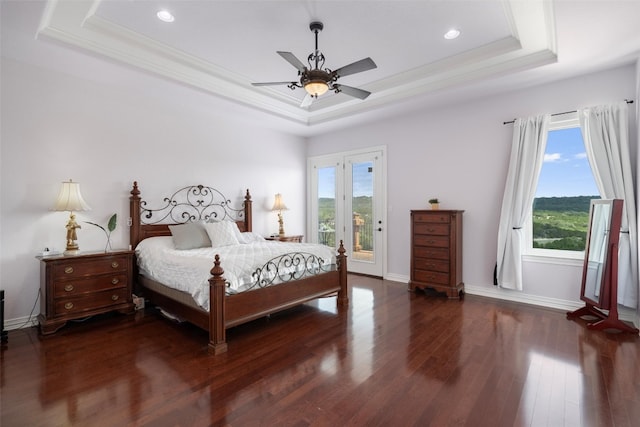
{"x":436,"y":251}
{"x":78,"y":286}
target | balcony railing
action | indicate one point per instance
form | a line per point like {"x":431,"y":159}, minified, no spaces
{"x":362,"y":233}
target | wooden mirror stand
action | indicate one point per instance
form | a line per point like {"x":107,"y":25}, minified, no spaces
{"x":599,"y":288}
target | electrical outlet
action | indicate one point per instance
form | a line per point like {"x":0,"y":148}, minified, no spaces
{"x":138,"y":302}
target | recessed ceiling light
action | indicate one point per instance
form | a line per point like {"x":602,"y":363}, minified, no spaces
{"x":452,"y":34}
{"x":165,"y":15}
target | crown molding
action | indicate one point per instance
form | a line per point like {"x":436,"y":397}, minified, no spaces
{"x":531,"y":45}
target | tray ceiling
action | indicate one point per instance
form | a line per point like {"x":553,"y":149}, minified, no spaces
{"x":221,"y":47}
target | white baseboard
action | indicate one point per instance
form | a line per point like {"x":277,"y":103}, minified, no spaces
{"x":396,"y":278}
{"x":20,"y":322}
{"x":624,"y":313}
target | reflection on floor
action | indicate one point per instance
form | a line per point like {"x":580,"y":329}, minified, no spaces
{"x":391,"y":358}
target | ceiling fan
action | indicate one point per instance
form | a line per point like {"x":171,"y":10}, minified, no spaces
{"x":317,"y":81}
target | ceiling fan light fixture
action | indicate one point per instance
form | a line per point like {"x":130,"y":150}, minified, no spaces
{"x":317,"y":80}
{"x":316,"y":88}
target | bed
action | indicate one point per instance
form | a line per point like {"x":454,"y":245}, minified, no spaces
{"x":272,"y":291}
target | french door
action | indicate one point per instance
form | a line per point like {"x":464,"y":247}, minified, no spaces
{"x":346,"y":202}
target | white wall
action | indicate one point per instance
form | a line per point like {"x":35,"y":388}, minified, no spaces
{"x":56,"y":126}
{"x":459,"y":153}
{"x":637,"y":110}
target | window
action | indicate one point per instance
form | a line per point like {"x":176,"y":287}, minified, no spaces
{"x":560,"y":214}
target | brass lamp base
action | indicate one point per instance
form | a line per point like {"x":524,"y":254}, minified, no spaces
{"x":281,"y":224}
{"x":72,"y":251}
{"x":72,"y":244}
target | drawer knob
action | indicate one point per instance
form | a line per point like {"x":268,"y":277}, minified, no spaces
{"x":115,"y":281}
{"x":114,"y":297}
{"x":68,"y":288}
{"x":68,"y":305}
{"x":115,"y":264}
{"x":68,"y":270}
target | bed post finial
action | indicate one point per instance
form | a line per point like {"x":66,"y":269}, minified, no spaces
{"x":217,"y":296}
{"x":341,"y":259}
{"x":134,"y":214}
{"x":247,"y":212}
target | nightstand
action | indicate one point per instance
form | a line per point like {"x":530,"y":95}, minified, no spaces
{"x":78,"y":286}
{"x":295,"y":239}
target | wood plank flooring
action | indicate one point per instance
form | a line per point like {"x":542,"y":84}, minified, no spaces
{"x":393,"y":358}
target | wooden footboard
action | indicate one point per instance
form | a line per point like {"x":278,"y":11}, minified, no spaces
{"x":226,"y":311}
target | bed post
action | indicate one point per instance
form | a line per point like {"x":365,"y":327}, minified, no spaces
{"x":217,"y":296}
{"x":247,"y":212}
{"x":343,"y":295}
{"x":134,"y":216}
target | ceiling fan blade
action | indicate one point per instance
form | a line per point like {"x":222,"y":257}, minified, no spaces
{"x":291,"y":59}
{"x":306,"y":101}
{"x":352,"y":91}
{"x":272,"y":83}
{"x":357,"y":67}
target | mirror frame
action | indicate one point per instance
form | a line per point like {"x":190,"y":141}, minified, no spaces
{"x":606,"y":277}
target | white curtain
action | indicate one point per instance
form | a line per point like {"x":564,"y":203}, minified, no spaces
{"x":605,"y":131}
{"x":527,"y":154}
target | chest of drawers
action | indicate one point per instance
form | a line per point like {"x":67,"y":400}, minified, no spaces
{"x":78,"y":286}
{"x":436,"y":251}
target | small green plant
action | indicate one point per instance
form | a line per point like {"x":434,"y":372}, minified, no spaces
{"x":432,"y":201}
{"x":111,"y":225}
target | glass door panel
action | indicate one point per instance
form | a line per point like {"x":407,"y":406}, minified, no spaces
{"x":326,"y":193}
{"x":346,"y":202}
{"x":362,"y":211}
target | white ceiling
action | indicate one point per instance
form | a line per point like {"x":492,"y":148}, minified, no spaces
{"x":221,"y":47}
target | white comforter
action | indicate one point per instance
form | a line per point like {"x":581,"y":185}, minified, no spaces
{"x":189,"y":270}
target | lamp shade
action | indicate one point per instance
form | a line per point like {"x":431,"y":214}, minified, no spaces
{"x":70,"y":199}
{"x":278,"y":204}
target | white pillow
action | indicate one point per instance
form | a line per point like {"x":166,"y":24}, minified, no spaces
{"x":222,"y":233}
{"x":236,"y":230}
{"x":249,"y":237}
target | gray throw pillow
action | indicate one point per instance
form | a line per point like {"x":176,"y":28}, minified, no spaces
{"x":191,"y":235}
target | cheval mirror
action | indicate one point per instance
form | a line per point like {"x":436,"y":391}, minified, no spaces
{"x":599,"y":288}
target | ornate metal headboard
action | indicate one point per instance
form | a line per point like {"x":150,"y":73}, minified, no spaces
{"x":188,"y":204}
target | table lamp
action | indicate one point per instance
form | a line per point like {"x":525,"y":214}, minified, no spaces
{"x":70,"y":200}
{"x":279,"y":206}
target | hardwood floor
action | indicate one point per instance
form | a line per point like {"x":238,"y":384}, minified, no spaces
{"x":393,"y":358}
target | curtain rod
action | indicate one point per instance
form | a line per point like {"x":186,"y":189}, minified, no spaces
{"x":628,"y":101}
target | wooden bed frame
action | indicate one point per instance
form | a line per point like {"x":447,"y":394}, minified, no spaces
{"x":226,"y":311}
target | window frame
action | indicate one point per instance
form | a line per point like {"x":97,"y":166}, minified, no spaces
{"x":563,"y":121}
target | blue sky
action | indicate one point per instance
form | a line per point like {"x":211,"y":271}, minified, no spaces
{"x":362,"y":180}
{"x":566,"y":170}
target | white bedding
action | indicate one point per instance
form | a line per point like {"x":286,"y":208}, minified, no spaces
{"x":189,"y":270}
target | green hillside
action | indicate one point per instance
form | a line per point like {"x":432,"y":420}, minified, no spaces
{"x":561,"y":222}
{"x":558,"y":222}
{"x":564,"y":204}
